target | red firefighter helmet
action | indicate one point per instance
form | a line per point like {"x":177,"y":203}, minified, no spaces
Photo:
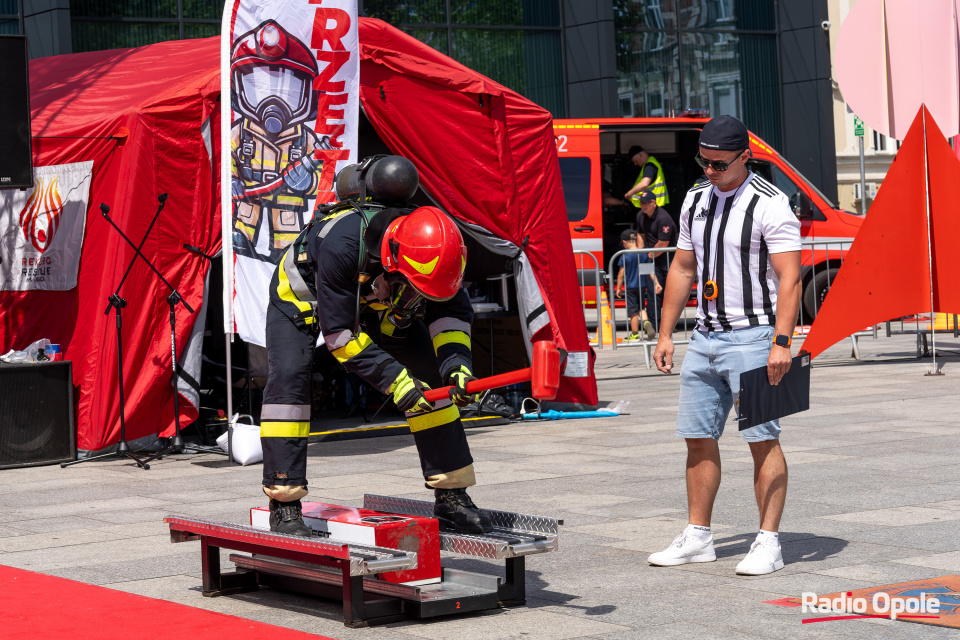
{"x":426,"y":247}
{"x":273,"y":76}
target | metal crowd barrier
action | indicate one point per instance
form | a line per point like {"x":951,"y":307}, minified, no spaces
{"x":646,"y":269}
{"x":821,"y":267}
{"x":597,"y":278}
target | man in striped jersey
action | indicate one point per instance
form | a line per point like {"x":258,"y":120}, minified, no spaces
{"x":740,"y":242}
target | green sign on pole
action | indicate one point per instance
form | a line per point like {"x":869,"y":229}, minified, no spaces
{"x":857,"y":127}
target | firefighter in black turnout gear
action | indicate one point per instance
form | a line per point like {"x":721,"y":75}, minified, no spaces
{"x":392,"y":310}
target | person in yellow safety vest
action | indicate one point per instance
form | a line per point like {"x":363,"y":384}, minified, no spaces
{"x":651,"y":177}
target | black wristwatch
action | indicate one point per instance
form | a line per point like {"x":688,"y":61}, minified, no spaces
{"x":782,"y":341}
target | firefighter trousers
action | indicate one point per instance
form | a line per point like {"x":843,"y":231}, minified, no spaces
{"x":285,"y":418}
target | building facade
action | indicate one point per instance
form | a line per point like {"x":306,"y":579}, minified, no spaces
{"x":764,"y":61}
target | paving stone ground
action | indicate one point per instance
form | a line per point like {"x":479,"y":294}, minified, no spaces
{"x":874,"y":499}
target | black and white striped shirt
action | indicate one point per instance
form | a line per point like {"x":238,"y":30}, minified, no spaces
{"x":753,"y":221}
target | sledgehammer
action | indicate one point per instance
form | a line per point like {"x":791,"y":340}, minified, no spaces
{"x":543,"y":374}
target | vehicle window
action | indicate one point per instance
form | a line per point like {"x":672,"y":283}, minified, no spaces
{"x":575,"y":174}
{"x":773,"y":174}
{"x":783,"y":182}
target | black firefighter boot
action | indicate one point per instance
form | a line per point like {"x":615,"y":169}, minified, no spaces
{"x":287,"y":518}
{"x":456,"y":511}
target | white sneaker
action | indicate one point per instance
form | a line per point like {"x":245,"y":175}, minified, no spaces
{"x":762,"y":559}
{"x":685,"y":548}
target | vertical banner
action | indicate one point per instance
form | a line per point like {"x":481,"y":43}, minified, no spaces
{"x":41,"y":229}
{"x":292,"y":71}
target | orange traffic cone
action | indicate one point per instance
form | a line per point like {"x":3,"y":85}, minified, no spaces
{"x":605,"y":330}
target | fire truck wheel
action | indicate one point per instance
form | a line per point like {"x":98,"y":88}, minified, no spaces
{"x":815,"y":291}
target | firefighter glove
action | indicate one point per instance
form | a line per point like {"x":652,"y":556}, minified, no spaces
{"x":408,"y":394}
{"x":299,"y":175}
{"x":459,"y":379}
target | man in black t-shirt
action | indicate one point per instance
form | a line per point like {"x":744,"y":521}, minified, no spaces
{"x":659,"y":230}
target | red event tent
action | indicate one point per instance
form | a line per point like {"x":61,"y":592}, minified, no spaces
{"x":489,"y":158}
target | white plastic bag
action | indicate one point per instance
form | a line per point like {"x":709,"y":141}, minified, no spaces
{"x":27,"y":355}
{"x":245,"y":445}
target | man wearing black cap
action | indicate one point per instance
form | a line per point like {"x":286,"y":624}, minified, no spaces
{"x":658,"y":230}
{"x":740,"y":242}
{"x":651,"y":177}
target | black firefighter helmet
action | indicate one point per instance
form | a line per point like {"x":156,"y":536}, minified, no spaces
{"x":389,"y":180}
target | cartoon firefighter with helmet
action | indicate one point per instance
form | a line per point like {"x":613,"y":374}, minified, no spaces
{"x":274,"y":162}
{"x":392,"y":310}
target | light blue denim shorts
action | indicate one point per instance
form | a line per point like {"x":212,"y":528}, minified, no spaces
{"x":710,"y":380}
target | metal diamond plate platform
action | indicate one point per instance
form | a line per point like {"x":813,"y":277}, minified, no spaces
{"x":364,"y":559}
{"x":514,"y":534}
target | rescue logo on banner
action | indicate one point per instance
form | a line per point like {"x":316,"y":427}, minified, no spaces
{"x":294,"y":75}
{"x":41,"y":229}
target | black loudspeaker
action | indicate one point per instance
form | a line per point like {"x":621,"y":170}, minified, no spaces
{"x":16,"y":160}
{"x":36,"y":414}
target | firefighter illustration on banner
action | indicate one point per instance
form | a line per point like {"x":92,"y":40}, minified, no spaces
{"x":277,"y":159}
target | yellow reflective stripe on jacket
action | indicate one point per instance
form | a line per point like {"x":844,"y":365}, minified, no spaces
{"x":386,"y":327}
{"x":451,"y":337}
{"x":284,"y":429}
{"x":286,"y":293}
{"x":433,"y":419}
{"x":352,"y":348}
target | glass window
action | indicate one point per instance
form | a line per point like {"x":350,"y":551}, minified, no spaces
{"x":518,"y":13}
{"x":203,"y":10}
{"x":783,"y":182}
{"x":648,"y":74}
{"x":200,"y":30}
{"x":707,"y":14}
{"x":123,"y":9}
{"x":529,"y":62}
{"x":9,"y":7}
{"x":575,"y":173}
{"x":711,"y":73}
{"x":756,"y":15}
{"x":408,"y":12}
{"x":761,"y":86}
{"x":644,"y":14}
{"x":98,"y":35}
{"x":435,"y":38}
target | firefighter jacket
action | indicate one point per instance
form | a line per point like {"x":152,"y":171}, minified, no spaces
{"x":324,"y":264}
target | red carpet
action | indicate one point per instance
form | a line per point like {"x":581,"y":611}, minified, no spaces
{"x":37,"y":607}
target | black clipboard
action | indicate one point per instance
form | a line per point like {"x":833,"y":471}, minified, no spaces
{"x":760,"y":401}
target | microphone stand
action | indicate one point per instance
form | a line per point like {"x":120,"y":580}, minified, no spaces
{"x":177,"y":445}
{"x":118,"y":303}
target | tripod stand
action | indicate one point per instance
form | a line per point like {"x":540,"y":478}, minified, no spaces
{"x":117,"y":303}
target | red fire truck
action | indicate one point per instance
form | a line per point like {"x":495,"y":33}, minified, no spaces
{"x":597,"y":172}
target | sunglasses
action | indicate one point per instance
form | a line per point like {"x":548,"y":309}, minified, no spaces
{"x":717,"y":166}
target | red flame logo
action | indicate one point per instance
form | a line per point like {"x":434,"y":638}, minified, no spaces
{"x":40,"y":218}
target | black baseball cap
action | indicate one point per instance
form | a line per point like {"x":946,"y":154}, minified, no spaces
{"x":628,"y":234}
{"x":634,"y":150}
{"x":647,"y":196}
{"x":725,"y":133}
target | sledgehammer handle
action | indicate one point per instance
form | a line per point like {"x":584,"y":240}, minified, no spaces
{"x":490,"y":382}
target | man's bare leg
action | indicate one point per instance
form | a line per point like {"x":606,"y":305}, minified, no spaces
{"x":703,"y":478}
{"x":769,"y":482}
